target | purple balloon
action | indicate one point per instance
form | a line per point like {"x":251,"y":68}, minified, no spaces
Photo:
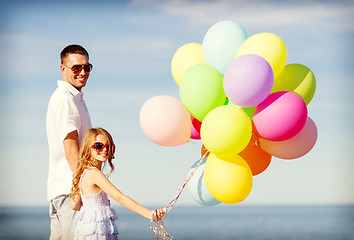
{"x":248,"y":80}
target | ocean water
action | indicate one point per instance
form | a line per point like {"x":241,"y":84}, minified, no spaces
{"x":219,"y":223}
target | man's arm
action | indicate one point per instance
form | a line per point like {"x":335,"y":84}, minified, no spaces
{"x":71,"y":148}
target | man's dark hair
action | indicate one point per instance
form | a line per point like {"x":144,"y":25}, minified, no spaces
{"x":74,"y":48}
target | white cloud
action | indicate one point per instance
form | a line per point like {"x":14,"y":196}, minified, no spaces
{"x":253,"y":13}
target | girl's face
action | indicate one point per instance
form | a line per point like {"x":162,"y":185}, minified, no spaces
{"x":99,"y":149}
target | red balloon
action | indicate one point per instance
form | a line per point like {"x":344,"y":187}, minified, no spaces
{"x":196,"y":124}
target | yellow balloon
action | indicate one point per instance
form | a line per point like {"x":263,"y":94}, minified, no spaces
{"x":186,"y":56}
{"x":269,"y":46}
{"x":226,"y":131}
{"x":296,"y":78}
{"x":229,"y":181}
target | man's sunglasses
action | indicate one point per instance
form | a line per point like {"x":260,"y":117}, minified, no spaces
{"x":98,"y":146}
{"x":78,"y":68}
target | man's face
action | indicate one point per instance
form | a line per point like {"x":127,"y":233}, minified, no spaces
{"x":77,"y":79}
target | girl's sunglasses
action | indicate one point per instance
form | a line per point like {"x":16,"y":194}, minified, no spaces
{"x":78,"y":68}
{"x":98,"y":146}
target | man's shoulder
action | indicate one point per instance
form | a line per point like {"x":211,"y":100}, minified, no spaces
{"x":61,"y":93}
{"x":61,"y":98}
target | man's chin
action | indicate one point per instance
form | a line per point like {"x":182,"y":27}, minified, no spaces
{"x":81,"y":84}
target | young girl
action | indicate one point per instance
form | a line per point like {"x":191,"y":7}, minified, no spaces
{"x":90,"y":188}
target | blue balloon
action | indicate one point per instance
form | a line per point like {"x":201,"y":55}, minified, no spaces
{"x":221,"y":43}
{"x":197,"y":187}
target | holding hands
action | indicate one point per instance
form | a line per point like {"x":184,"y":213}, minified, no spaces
{"x":158,"y":214}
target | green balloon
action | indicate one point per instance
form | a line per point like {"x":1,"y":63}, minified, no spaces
{"x":296,"y":78}
{"x":249,"y":111}
{"x":201,"y":90}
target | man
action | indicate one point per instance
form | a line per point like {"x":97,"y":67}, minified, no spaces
{"x":67,"y":122}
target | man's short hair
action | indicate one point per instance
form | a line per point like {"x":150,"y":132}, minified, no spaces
{"x":74,"y":48}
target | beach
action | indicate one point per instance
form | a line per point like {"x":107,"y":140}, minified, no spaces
{"x":198,"y":222}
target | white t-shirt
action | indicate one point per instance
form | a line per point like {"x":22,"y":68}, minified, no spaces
{"x":66,"y":113}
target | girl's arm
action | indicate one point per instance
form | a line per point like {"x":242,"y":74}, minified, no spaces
{"x":102,"y":182}
{"x":76,"y":203}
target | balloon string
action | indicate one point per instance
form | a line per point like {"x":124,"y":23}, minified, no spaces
{"x":158,"y":227}
{"x":180,"y":189}
{"x":256,"y":143}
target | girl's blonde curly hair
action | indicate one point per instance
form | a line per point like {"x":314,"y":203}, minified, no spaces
{"x":85,"y":159}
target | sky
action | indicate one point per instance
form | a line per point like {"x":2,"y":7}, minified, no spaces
{"x":131,"y":44}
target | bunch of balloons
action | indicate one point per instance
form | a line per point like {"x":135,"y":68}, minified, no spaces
{"x":243,"y":101}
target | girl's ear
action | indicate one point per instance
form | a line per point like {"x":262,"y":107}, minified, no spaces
{"x":113,"y":150}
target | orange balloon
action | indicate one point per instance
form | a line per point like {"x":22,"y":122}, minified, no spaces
{"x":203,"y":151}
{"x":255,"y":156}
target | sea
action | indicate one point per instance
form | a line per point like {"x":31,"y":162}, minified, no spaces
{"x":191,"y":222}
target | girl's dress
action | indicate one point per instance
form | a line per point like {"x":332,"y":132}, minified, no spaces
{"x":96,"y":217}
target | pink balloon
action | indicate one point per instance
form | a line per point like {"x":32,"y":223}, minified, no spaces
{"x":294,"y":147}
{"x":165,"y":121}
{"x":248,"y":80}
{"x":280,"y":116}
{"x":196,"y":124}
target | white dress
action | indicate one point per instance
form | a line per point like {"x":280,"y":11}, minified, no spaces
{"x":96,"y":217}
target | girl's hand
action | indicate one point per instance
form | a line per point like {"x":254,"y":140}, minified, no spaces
{"x":158,"y":214}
